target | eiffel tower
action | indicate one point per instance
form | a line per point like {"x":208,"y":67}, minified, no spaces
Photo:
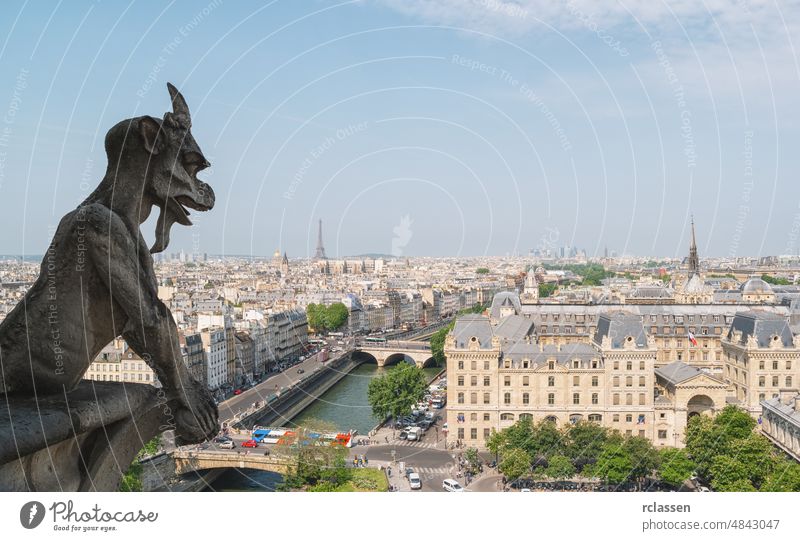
{"x":320,"y":248}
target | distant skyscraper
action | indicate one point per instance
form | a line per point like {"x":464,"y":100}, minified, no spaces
{"x":320,"y":248}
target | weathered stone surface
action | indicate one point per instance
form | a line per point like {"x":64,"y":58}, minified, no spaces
{"x":96,"y":283}
{"x":84,"y":440}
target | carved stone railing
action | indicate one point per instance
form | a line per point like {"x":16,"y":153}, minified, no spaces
{"x":84,"y":440}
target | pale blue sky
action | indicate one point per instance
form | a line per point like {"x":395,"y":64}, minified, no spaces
{"x":495,"y":126}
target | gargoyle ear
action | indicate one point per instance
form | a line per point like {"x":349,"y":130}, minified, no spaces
{"x":149,"y":128}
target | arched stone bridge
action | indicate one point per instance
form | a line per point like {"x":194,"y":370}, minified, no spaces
{"x":395,"y":351}
{"x":192,"y":461}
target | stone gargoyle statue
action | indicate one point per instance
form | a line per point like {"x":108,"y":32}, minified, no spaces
{"x":97,"y":280}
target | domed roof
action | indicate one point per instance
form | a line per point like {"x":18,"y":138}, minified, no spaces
{"x":756,"y":285}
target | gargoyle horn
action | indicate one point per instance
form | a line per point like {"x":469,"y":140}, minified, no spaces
{"x":180,"y":109}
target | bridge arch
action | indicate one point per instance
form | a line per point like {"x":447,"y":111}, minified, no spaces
{"x":700,"y":404}
{"x":365,"y":357}
{"x":397,"y":358}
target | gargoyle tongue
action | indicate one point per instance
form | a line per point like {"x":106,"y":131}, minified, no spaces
{"x":171,"y":212}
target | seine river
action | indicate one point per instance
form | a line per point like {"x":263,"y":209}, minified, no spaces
{"x":343,"y":406}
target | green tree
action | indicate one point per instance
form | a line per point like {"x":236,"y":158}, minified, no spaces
{"x":481,"y":270}
{"x":729,"y":474}
{"x":546,"y":290}
{"x":315,"y":314}
{"x":643,"y":456}
{"x":473,"y":460}
{"x":585,"y":440}
{"x":336,"y":315}
{"x":397,"y":391}
{"x":784,"y":477}
{"x":613,"y":465}
{"x":315,"y":467}
{"x":515,"y":464}
{"x":437,"y":344}
{"x":775,"y":280}
{"x":559,"y":467}
{"x":675,"y":466}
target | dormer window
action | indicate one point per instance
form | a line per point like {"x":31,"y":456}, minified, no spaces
{"x":576,"y":363}
{"x":551,"y":365}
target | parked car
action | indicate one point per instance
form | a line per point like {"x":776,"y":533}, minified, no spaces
{"x":403,"y":435}
{"x":414,"y":481}
{"x":250,"y":443}
{"x":227,"y":444}
{"x":221,"y":439}
{"x":237,"y":392}
{"x":300,"y":371}
{"x":451,"y":485}
{"x":414,"y":433}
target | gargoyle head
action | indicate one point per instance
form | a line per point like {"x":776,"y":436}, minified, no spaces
{"x":175,"y":159}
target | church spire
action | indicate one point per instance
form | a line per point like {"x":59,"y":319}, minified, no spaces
{"x":694,"y":259}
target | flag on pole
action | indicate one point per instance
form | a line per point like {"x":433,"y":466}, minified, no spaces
{"x":692,"y":339}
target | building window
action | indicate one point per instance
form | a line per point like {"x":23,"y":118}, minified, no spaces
{"x":461,"y":433}
{"x":487,"y":433}
{"x":526,"y":398}
{"x":788,"y":381}
{"x":576,"y":381}
{"x":615,"y":418}
{"x":487,"y":381}
{"x":474,"y":365}
{"x":473,"y":433}
{"x":473,"y":416}
{"x":642,"y":399}
{"x":616,"y":365}
{"x":641,"y":365}
{"x":594,"y":364}
{"x":615,"y":381}
{"x":486,"y":416}
{"x":507,"y":398}
{"x":761,"y":365}
{"x":486,"y":365}
{"x":576,"y":364}
{"x":473,"y":398}
{"x":485,"y":398}
{"x":594,"y":399}
{"x":641,"y":381}
{"x":461,"y":365}
{"x":774,"y":381}
{"x":629,"y":418}
{"x":595,"y":418}
{"x":662,"y":434}
{"x":551,"y":381}
{"x":525,"y":381}
{"x":473,"y":381}
{"x":576,"y":398}
{"x":460,"y":398}
{"x":788,"y":365}
{"x":507,"y":381}
{"x":595,"y":381}
{"x":525,"y":363}
{"x":551,"y":399}
{"x":629,"y":399}
{"x":774,"y":365}
{"x":629,"y":365}
{"x":629,"y":381}
{"x":460,"y":380}
{"x":616,"y":399}
{"x":551,"y":365}
{"x":506,"y":416}
{"x":762,"y":381}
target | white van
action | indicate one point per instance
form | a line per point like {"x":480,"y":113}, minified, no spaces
{"x":451,"y":485}
{"x":414,"y":481}
{"x":414,"y":433}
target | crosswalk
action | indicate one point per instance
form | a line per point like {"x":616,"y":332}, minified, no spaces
{"x":423,"y":471}
{"x":420,"y":444}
